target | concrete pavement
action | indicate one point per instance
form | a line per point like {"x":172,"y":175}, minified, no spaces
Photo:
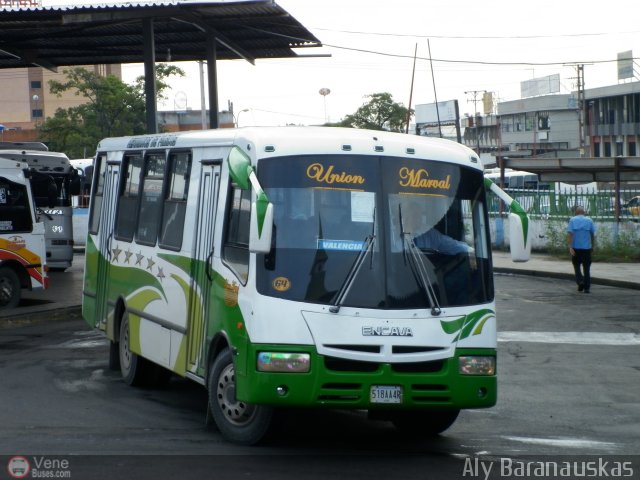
{"x":63,"y":299}
{"x":624,"y":275}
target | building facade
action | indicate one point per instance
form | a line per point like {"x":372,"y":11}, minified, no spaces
{"x":26,"y":100}
{"x":605,"y":124}
{"x":612,"y":119}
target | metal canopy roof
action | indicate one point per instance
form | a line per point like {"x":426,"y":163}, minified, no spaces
{"x":112,"y":33}
{"x":578,"y":170}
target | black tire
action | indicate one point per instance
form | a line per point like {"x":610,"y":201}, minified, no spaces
{"x":239,"y":422}
{"x":132,"y":366}
{"x":114,"y":356}
{"x":424,"y":424}
{"x":156,"y":375}
{"x":9,"y":288}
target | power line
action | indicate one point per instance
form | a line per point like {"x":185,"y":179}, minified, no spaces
{"x":440,"y":60}
{"x":476,"y":37}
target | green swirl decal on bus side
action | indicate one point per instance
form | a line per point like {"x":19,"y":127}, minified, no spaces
{"x":121,"y":280}
{"x":182,"y":262}
{"x":196,"y":325}
{"x":467,"y":325}
{"x":139,"y":301}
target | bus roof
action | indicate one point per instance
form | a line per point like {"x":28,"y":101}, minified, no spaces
{"x":13,"y":169}
{"x":282,"y":141}
{"x":24,"y":146}
{"x":40,"y":161}
{"x":508,"y":173}
{"x":13,"y":163}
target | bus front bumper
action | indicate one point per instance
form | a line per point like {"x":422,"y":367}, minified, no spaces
{"x":339,"y":383}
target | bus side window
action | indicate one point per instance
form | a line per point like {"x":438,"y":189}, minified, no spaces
{"x":128,"y":197}
{"x":151,"y":199}
{"x":175,"y":203}
{"x":235,"y":251}
{"x":94,"y":211}
{"x":15,"y":215}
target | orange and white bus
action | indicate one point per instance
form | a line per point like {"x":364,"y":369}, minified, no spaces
{"x":22,"y":243}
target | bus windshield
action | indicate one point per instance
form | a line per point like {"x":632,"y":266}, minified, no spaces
{"x":375,"y":232}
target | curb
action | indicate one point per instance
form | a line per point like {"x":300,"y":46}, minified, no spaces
{"x":567,"y":276}
{"x":73,"y":312}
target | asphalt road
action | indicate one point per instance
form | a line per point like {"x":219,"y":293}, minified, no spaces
{"x":569,"y":374}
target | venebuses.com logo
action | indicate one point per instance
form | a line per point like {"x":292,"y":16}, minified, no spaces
{"x":19,"y":466}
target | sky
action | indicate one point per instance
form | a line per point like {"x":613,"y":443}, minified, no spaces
{"x":475,"y":46}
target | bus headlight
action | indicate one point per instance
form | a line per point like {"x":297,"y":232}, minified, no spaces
{"x":476,"y":365}
{"x":284,"y":362}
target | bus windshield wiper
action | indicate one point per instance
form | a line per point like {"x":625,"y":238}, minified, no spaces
{"x":40,"y":211}
{"x":415,"y":256}
{"x":416,"y":259}
{"x":353,"y":271}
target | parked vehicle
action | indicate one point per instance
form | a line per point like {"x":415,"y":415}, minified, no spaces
{"x":47,"y":169}
{"x":22,"y":236}
{"x":633,"y":206}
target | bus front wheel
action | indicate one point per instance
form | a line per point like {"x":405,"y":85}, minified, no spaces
{"x":9,"y":288}
{"x":238,"y":421}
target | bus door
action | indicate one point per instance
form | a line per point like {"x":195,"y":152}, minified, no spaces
{"x":202,"y":278}
{"x":105,"y":238}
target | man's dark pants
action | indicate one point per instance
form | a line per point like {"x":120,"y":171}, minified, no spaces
{"x":582,"y":258}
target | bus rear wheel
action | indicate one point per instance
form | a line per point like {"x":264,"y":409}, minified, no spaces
{"x":9,"y":288}
{"x":132,"y":366}
{"x":136,"y":370}
{"x":239,"y":422}
{"x":421,"y":424}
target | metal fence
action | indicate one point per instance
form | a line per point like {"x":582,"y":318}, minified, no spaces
{"x":599,"y":204}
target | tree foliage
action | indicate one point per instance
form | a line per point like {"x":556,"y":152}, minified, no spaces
{"x":111,"y":108}
{"x":379,"y":113}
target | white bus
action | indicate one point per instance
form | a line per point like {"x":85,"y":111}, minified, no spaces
{"x":285,"y":267}
{"x":47,"y":169}
{"x":515,"y":179}
{"x":22,"y":244}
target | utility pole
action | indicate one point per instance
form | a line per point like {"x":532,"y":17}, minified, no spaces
{"x":580,"y":107}
{"x":475,"y":99}
{"x":580,"y":70}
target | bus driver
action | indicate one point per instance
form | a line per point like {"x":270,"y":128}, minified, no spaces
{"x":419,"y":222}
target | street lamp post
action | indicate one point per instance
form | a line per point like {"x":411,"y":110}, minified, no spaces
{"x":238,"y":117}
{"x":35,"y":99}
{"x":324,"y":92}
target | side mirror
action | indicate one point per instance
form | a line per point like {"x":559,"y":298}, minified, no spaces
{"x":519,"y":238}
{"x":239,"y":167}
{"x":261,"y":226}
{"x":519,"y":228}
{"x":75,"y":185}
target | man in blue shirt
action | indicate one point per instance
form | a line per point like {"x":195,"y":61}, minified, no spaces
{"x":581,"y":234}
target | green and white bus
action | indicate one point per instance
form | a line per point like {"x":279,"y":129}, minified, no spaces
{"x":282,"y":267}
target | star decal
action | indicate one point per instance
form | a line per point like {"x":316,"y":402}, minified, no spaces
{"x":139,"y":258}
{"x":127,"y":255}
{"x":116,"y":253}
{"x":150,"y":264}
{"x":161,"y":274}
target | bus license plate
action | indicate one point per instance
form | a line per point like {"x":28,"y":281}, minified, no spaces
{"x":385,"y":394}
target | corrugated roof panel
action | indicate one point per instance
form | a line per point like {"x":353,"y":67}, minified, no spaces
{"x":112,"y":32}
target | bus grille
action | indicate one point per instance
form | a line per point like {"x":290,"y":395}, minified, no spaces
{"x":427,"y":394}
{"x":344,"y":365}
